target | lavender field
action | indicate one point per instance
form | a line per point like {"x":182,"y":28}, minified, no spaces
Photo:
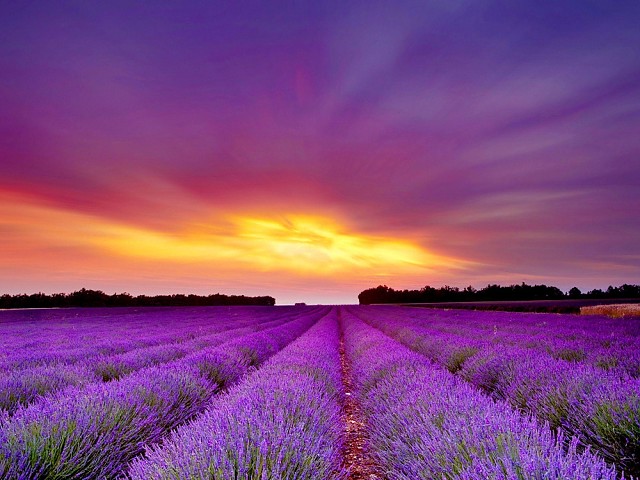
{"x":317,"y":393}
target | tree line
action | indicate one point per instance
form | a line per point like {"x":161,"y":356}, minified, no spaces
{"x":427,"y":294}
{"x":97,"y":298}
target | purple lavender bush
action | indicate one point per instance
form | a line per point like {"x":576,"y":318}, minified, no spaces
{"x":283,"y":422}
{"x":94,"y":432}
{"x":23,"y":386}
{"x":425,"y":423}
{"x":599,"y":407}
{"x":57,"y":339}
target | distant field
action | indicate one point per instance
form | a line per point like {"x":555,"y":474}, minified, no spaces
{"x":540,"y":306}
{"x":616,"y":310}
{"x":375,"y":392}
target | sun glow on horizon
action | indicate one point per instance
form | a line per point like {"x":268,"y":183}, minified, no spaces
{"x":296,"y":244}
{"x":305,"y":245}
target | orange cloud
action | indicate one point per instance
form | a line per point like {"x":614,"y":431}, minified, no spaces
{"x":304,"y":245}
{"x":237,"y":244}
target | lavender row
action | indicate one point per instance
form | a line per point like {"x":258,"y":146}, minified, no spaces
{"x":115,"y":335}
{"x":20,"y":388}
{"x":94,"y":432}
{"x":425,"y":423}
{"x":283,"y":422}
{"x":600,"y":408}
{"x":605,"y":343}
{"x":64,"y":328}
{"x":451,"y":340}
{"x":526,"y":327}
{"x":576,"y":326}
{"x":115,"y":366}
{"x":98,"y":336}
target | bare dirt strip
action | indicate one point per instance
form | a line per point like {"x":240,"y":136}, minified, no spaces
{"x":357,"y":460}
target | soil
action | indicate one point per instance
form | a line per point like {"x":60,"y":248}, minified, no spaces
{"x":357,"y":459}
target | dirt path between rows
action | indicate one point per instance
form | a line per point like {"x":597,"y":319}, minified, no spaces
{"x":357,"y":459}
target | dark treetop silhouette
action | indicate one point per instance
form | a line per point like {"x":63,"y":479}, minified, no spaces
{"x":97,"y":298}
{"x":492,"y":293}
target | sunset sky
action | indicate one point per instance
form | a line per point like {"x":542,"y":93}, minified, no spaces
{"x":310,"y":150}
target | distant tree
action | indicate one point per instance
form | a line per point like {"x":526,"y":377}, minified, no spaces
{"x":629,"y":291}
{"x":492,"y":293}
{"x":97,"y":298}
{"x":380,"y":294}
{"x":469,"y":293}
{"x":596,"y":293}
{"x":575,"y":292}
